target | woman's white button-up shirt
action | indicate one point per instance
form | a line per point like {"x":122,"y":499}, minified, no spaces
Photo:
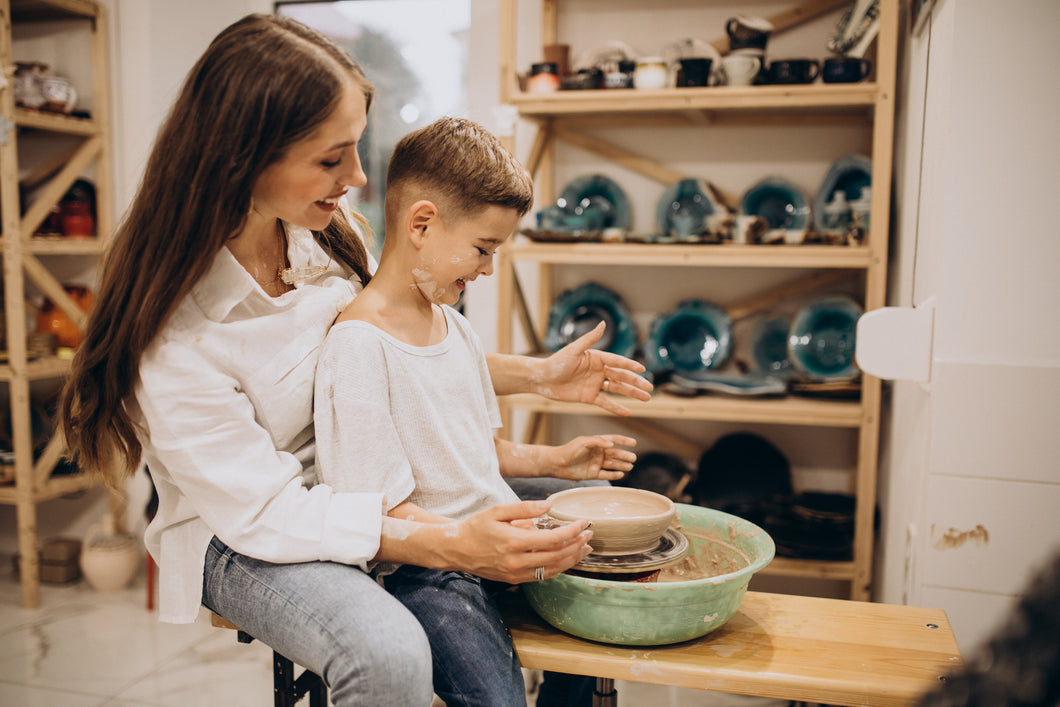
{"x":225,"y":400}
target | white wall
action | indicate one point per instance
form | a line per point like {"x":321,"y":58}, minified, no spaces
{"x":971,"y":480}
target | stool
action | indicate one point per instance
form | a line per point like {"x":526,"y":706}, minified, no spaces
{"x":286,"y":688}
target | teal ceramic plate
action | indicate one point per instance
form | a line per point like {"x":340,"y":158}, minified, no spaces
{"x":696,"y":335}
{"x":754,"y":385}
{"x":779,"y":202}
{"x":684,"y":208}
{"x":847,"y":177}
{"x":599,"y":200}
{"x":769,"y":347}
{"x":577,"y":311}
{"x":822,"y":338}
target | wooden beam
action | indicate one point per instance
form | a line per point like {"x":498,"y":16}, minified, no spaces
{"x":44,"y":279}
{"x":53,"y":452}
{"x":787,"y":291}
{"x":58,"y":186}
{"x":619,"y":155}
{"x":542,"y":139}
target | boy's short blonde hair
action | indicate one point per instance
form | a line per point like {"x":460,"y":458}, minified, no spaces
{"x":459,"y":163}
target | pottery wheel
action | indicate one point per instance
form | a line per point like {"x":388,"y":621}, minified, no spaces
{"x":672,"y":547}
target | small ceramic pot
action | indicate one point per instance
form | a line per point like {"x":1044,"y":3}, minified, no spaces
{"x":109,"y":560}
{"x":651,"y":73}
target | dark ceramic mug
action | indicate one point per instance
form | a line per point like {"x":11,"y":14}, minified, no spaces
{"x":694,"y":72}
{"x":747,"y":32}
{"x":845,"y":70}
{"x":789,"y":71}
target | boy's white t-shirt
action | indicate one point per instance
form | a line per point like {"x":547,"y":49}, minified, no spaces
{"x":411,"y":422}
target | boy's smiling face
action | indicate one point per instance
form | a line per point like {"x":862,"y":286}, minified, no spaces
{"x":458,"y":251}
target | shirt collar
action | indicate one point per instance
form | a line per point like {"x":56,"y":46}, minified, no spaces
{"x":226,"y":283}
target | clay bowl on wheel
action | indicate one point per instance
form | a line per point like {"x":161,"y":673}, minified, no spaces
{"x":625,"y":520}
{"x":688,"y":599}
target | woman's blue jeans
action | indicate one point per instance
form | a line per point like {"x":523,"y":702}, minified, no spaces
{"x":330,"y":618}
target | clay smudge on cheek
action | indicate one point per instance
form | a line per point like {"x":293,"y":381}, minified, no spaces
{"x":426,"y":282}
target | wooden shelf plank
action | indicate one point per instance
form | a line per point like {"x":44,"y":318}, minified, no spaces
{"x":61,"y":245}
{"x":53,"y":488}
{"x":40,"y":369}
{"x":38,"y":10}
{"x":54,"y":122}
{"x":790,"y":410}
{"x":810,"y":98}
{"x":713,"y":255}
{"x":813,"y":569}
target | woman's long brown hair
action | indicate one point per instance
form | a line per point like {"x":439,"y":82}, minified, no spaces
{"x":264,"y":83}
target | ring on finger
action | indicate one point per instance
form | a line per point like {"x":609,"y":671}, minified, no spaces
{"x":607,"y":384}
{"x":539,"y":574}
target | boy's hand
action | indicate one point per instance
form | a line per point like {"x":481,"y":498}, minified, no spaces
{"x":578,"y":373}
{"x":596,"y":457}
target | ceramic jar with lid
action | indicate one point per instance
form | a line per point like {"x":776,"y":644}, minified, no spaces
{"x":544,"y":78}
{"x":650,"y":73}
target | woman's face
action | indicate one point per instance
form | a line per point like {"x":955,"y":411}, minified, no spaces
{"x":304,"y":186}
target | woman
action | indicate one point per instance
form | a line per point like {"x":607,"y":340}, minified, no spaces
{"x":198,"y":360}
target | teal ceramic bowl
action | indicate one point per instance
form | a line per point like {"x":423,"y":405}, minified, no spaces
{"x":673,"y":608}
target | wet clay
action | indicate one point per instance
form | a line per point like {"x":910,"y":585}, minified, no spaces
{"x":709,"y":556}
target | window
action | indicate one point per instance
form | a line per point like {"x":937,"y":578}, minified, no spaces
{"x":415,"y":52}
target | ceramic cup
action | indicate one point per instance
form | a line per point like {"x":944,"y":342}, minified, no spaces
{"x":694,"y":72}
{"x":59,"y":94}
{"x":746,"y":32}
{"x":741,"y":69}
{"x":792,"y":71}
{"x":650,"y":73}
{"x":845,"y":70}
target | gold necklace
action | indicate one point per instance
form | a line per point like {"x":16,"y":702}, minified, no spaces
{"x":280,"y":253}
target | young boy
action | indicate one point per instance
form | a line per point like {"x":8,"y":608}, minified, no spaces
{"x":402,"y":385}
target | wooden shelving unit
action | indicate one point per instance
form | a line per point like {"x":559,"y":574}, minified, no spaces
{"x":561,"y":118}
{"x":34,"y":480}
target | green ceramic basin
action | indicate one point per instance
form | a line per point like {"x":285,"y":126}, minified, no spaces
{"x":724,"y":552}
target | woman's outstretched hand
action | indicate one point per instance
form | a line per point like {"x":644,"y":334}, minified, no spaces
{"x":501,"y":543}
{"x":581,"y":374}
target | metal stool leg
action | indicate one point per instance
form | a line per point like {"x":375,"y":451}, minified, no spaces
{"x":283,"y":681}
{"x":287,"y":689}
{"x":605,"y":694}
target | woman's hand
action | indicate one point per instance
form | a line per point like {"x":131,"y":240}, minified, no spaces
{"x":578,"y":373}
{"x":491,"y":544}
{"x":596,"y":457}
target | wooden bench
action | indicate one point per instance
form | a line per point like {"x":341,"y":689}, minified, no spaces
{"x":797,"y":648}
{"x":803,"y":649}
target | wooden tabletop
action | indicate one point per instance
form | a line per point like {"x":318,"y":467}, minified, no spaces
{"x":830,"y":651}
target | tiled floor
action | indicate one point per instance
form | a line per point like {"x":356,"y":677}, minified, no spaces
{"x":82,"y":648}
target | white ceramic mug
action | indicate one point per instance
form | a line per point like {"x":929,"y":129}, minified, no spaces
{"x":740,"y":69}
